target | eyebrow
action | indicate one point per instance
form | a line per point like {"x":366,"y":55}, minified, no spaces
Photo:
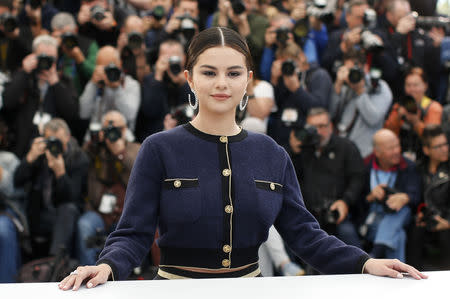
{"x":229,"y":68}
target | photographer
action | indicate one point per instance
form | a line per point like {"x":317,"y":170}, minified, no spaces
{"x":236,"y":14}
{"x":112,"y":158}
{"x":330,"y":171}
{"x":54,"y":174}
{"x":96,"y":21}
{"x":409,"y":116}
{"x":163,"y":90}
{"x":77,"y":53}
{"x":110,"y":89}
{"x":432,"y":222}
{"x":392,"y":186}
{"x":37,"y":14}
{"x":277,"y":36}
{"x":407,"y":46}
{"x":299,"y":86}
{"x":131,"y":46}
{"x":14,"y":39}
{"x":359,"y":102}
{"x":36,"y":94}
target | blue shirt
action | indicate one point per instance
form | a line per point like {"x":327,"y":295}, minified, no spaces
{"x":214,"y":199}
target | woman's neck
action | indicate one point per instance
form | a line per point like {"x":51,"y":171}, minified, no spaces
{"x":216,"y":124}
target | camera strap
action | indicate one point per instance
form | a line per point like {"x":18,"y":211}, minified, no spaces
{"x":409,"y":53}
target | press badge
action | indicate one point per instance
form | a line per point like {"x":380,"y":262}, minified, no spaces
{"x":289,"y":115}
{"x":40,"y":119}
{"x":108,"y":203}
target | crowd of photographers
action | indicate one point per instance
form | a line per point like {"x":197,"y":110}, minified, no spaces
{"x":355,"y":91}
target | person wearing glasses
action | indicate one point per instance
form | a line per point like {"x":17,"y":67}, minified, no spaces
{"x":330,"y":172}
{"x":432,"y":225}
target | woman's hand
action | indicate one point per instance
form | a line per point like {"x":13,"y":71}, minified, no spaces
{"x":391,"y":268}
{"x":94,"y":275}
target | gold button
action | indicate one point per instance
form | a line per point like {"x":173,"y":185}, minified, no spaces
{"x":223,"y":139}
{"x":226,"y":172}
{"x":228,"y":209}
{"x":226,"y":263}
{"x":226,"y":248}
{"x":177,"y":183}
{"x":272,"y":186}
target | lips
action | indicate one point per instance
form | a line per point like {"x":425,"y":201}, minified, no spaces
{"x":221,"y":96}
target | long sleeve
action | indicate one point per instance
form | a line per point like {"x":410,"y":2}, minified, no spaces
{"x":24,"y":173}
{"x":9,"y":162}
{"x":14,"y":91}
{"x":354,"y":166}
{"x":268,"y":56}
{"x":127,"y":100}
{"x":87,"y":100}
{"x":65,"y":99}
{"x":303,"y":235}
{"x":373,"y":107}
{"x":127,"y":245}
{"x":320,"y":87}
{"x":88,"y":65}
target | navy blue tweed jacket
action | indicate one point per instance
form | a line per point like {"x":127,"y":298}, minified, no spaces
{"x":213,"y":199}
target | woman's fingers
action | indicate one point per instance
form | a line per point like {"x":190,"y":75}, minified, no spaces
{"x":409,"y":269}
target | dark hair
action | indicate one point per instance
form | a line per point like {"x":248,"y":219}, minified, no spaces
{"x":429,"y":132}
{"x":354,"y":3}
{"x":356,"y":56}
{"x":417,"y":71}
{"x":7,"y":3}
{"x":317,"y":111}
{"x":213,"y":37}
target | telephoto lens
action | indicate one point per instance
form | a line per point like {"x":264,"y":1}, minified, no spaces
{"x":45,"y":62}
{"x":175,"y":64}
{"x":97,"y":13}
{"x":135,"y":40}
{"x":69,"y":40}
{"x":112,"y":133}
{"x":54,"y":146}
{"x":158,"y":12}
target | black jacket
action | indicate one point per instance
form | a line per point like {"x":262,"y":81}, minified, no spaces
{"x":336,"y":174}
{"x":21,"y":102}
{"x":68,"y":188}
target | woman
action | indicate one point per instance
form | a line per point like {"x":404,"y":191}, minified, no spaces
{"x":214,"y":189}
{"x":408,"y":120}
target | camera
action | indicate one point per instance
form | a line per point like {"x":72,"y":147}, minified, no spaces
{"x":183,"y":114}
{"x":237,"y":6}
{"x":388,"y":191}
{"x":175,"y":65}
{"x":321,"y":10}
{"x":369,"y":41}
{"x":135,"y":40}
{"x":35,"y":3}
{"x":98,"y":13}
{"x":158,"y":12}
{"x":308,"y":136}
{"x":54,"y":145}
{"x":288,"y":67}
{"x":355,"y":75}
{"x":375,"y":76}
{"x":428,"y":218}
{"x":282,"y":35}
{"x":113,"y":73}
{"x":44,"y":62}
{"x":187,"y":26}
{"x":326,"y":217}
{"x":428,"y":22}
{"x":9,"y":22}
{"x":112,"y":133}
{"x":409,"y":103}
{"x":69,"y":40}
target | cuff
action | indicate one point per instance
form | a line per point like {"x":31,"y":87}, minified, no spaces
{"x":114,"y":272}
{"x":363,"y":261}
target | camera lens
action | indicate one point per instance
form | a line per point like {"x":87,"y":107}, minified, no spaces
{"x":113,"y":73}
{"x":98,"y":13}
{"x":45,"y":62}
{"x":175,"y":64}
{"x":237,"y":6}
{"x":69,"y":40}
{"x":355,"y":75}
{"x":158,"y":12}
{"x":54,"y":146}
{"x":288,"y":67}
{"x":135,"y":40}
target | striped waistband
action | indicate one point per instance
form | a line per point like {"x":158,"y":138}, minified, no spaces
{"x":176,"y":273}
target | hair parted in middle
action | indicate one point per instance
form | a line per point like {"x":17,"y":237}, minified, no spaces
{"x":216,"y":37}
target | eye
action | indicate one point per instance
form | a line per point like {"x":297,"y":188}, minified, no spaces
{"x":234,"y":74}
{"x":209,"y":73}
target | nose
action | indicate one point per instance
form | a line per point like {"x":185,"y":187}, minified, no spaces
{"x":221,"y":82}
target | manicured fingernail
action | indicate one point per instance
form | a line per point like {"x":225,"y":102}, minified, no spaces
{"x":89,"y":285}
{"x":399,"y":275}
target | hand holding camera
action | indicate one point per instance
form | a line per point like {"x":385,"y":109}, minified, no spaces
{"x":46,"y":69}
{"x":406,"y":24}
{"x":174,"y":23}
{"x":102,"y":18}
{"x":29,"y":63}
{"x":53,"y":153}
{"x":33,"y":11}
{"x":37,"y":149}
{"x":377,"y":193}
{"x":397,"y":201}
{"x":341,"y":207}
{"x":113,"y":139}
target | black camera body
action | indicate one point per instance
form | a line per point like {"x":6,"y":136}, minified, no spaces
{"x":69,"y":40}
{"x":113,"y":73}
{"x":326,"y":217}
{"x":98,"y":12}
{"x":388,"y":191}
{"x":308,"y":136}
{"x":112,"y":133}
{"x":355,"y":75}
{"x":428,"y":218}
{"x":282,"y":35}
{"x":135,"y":40}
{"x":158,"y":12}
{"x":9,"y":22}
{"x":370,"y":41}
{"x":288,"y":67}
{"x":237,"y":6}
{"x":35,"y":4}
{"x":175,"y":65}
{"x":320,"y":10}
{"x":187,"y":25}
{"x":54,"y":146}
{"x":44,"y":62}
{"x":409,"y":103}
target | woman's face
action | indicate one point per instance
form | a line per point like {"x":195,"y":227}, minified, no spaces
{"x":219,"y":80}
{"x":415,"y":87}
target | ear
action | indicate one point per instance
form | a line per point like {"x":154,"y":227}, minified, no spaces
{"x":189,"y":79}
{"x":250,"y":76}
{"x":426,"y":150}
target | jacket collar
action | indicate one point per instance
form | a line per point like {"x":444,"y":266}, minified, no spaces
{"x":214,"y":138}
{"x":371,"y":161}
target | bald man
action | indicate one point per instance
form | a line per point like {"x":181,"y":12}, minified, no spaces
{"x":111,"y":161}
{"x":110,"y":89}
{"x":393,"y":190}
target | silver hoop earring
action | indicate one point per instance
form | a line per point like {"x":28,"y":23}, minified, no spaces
{"x":195,"y":105}
{"x":243,"y":103}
